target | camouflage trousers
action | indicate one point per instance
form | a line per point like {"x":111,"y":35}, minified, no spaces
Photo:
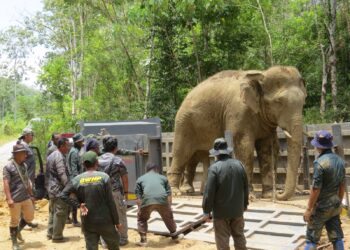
{"x":325,"y":217}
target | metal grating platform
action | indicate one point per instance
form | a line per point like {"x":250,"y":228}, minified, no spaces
{"x":270,"y":229}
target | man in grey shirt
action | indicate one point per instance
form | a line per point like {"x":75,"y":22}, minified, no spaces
{"x":58,"y":179}
{"x":19,"y":194}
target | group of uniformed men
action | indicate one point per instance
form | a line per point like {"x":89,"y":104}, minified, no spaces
{"x":100,"y":187}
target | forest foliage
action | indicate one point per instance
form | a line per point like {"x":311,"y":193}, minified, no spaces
{"x":121,"y":60}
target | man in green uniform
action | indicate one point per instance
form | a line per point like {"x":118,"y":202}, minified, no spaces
{"x":153,"y":194}
{"x":226,"y":195}
{"x":75,"y":168}
{"x":94,"y":196}
{"x":326,"y":194}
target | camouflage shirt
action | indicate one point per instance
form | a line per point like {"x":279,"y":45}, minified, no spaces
{"x":74,"y":163}
{"x":114,"y":167}
{"x":58,"y":174}
{"x":329,"y":173}
{"x":30,"y":161}
{"x":18,"y":187}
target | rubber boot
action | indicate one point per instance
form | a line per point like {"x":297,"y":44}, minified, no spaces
{"x":338,"y":245}
{"x":310,"y":246}
{"x":13,"y":234}
{"x":22,"y":224}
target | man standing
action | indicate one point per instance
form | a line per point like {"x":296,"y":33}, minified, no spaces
{"x":58,"y":179}
{"x":326,"y":194}
{"x":153,"y":194}
{"x":226,"y":195}
{"x":18,"y":191}
{"x":52,"y":145}
{"x":115,"y":168}
{"x":26,"y":138}
{"x":75,"y":168}
{"x":94,"y":193}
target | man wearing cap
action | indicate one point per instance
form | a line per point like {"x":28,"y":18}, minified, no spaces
{"x":226,"y":196}
{"x":116,"y":169}
{"x":26,"y":138}
{"x":58,"y":179}
{"x":94,"y":196}
{"x":326,"y":194}
{"x":153,"y":194}
{"x":75,"y":168}
{"x":18,"y":192}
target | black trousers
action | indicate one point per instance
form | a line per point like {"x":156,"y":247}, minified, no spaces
{"x":107,"y":231}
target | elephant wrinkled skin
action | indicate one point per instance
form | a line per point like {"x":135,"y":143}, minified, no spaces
{"x":251,"y":104}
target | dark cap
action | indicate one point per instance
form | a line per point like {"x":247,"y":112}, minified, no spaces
{"x":323,"y":139}
{"x":78,"y":137}
{"x":18,"y":148}
{"x":90,"y":157}
{"x":91,"y":144}
{"x":220,"y":148}
{"x":151,"y":165}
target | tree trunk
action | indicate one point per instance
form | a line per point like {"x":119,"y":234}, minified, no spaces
{"x":148,"y":84}
{"x":324,"y":80}
{"x":267,"y":32}
{"x":333,"y":56}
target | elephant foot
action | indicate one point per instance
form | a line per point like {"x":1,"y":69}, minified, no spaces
{"x":175,"y":191}
{"x":267,"y":194}
{"x":252,"y":197}
{"x":187,"y":188}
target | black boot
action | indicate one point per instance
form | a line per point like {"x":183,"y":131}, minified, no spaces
{"x":13,"y":234}
{"x":22,"y":224}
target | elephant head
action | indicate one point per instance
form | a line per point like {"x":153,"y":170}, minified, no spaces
{"x":277,"y":96}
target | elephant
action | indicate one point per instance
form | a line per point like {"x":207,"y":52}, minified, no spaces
{"x":250,"y":104}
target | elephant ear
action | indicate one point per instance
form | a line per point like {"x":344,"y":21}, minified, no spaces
{"x":251,"y":90}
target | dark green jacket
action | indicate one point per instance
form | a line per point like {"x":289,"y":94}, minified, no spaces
{"x":94,"y":189}
{"x":152,"y":188}
{"x":226,"y":192}
{"x":329,"y":173}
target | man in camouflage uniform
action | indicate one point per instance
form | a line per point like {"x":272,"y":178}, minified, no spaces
{"x":18,"y":191}
{"x":25,"y":139}
{"x":94,"y":196}
{"x":52,"y":145}
{"x":326,"y":194}
{"x":116,"y":169}
{"x":75,"y":168}
{"x":58,"y":179}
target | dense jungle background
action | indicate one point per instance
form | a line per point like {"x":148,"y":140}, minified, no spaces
{"x":120,"y":59}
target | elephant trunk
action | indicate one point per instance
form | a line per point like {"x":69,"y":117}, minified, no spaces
{"x":294,"y":150}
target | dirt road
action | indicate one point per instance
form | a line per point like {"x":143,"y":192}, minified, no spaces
{"x":36,"y":239}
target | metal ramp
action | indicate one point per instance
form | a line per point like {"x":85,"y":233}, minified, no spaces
{"x":270,"y":229}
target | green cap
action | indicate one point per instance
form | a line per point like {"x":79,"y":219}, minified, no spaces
{"x":90,"y":157}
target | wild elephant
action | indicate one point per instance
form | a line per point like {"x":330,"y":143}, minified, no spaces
{"x":251,"y":104}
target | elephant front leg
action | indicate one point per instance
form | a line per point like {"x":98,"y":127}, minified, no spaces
{"x":267,"y":152}
{"x":244,"y":151}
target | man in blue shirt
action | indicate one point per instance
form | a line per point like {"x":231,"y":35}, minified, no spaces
{"x":326,"y":194}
